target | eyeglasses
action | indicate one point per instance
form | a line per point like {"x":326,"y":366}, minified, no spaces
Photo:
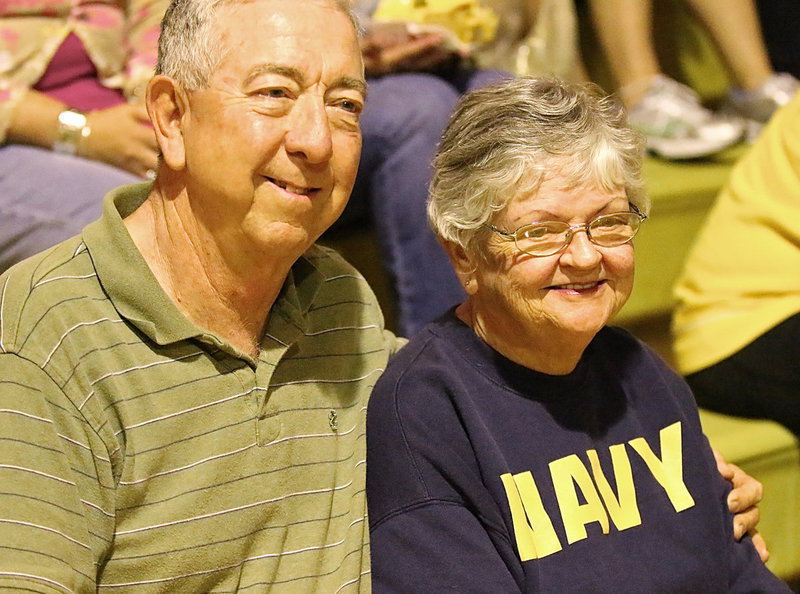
{"x":550,"y":237}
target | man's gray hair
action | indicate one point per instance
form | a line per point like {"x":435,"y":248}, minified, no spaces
{"x":506,"y":138}
{"x":188,"y":50}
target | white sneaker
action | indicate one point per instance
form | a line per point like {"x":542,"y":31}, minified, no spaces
{"x":757,"y":105}
{"x":676,"y":124}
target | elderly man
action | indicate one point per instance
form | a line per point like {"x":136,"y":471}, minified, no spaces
{"x":183,"y":386}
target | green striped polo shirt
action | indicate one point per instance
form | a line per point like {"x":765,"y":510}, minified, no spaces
{"x":141,"y":453}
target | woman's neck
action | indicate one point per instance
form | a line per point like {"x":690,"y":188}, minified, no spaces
{"x":555,"y":353}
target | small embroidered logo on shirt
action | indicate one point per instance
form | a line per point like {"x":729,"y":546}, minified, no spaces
{"x":332,"y":421}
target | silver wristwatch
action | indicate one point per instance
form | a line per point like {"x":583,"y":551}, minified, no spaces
{"x":72,"y":127}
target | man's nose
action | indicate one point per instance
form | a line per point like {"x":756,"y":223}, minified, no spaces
{"x":310,"y":132}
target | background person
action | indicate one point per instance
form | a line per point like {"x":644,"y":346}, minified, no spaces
{"x":737,"y":323}
{"x":73,"y":124}
{"x":534,"y":37}
{"x":183,"y":386}
{"x":670,"y":114}
{"x":415,"y":79}
{"x":495,"y":435}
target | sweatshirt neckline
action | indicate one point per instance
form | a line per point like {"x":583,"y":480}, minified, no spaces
{"x":502,"y":370}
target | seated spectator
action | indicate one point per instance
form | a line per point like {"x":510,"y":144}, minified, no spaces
{"x":670,"y":114}
{"x":495,"y":436}
{"x":72,"y":121}
{"x":415,"y":79}
{"x":534,"y":37}
{"x":737,"y":324}
{"x":183,"y":385}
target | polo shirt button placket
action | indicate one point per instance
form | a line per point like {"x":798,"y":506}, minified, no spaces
{"x":268,"y":429}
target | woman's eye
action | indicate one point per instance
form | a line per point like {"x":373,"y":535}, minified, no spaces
{"x":536,"y":232}
{"x":610,"y":221}
{"x":543,"y":230}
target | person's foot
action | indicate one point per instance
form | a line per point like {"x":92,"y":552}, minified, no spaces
{"x":676,"y":124}
{"x":757,"y":105}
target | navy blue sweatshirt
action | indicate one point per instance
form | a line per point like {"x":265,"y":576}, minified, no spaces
{"x":486,"y":476}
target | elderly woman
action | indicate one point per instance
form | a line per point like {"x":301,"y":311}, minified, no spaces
{"x":518,"y":444}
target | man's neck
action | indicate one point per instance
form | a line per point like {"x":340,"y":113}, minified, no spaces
{"x":231,"y":300}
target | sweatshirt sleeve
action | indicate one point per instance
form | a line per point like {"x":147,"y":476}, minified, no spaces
{"x":431,"y":528}
{"x":746,"y":571}
{"x":436,"y":546}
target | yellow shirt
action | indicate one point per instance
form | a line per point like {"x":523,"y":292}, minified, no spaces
{"x":742,"y":276}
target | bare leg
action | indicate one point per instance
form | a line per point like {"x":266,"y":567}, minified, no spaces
{"x":735,"y":29}
{"x":624,"y":29}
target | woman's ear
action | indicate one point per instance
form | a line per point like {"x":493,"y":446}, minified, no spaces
{"x":464,"y":265}
{"x":167,"y":103}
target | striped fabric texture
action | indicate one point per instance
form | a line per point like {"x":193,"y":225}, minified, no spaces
{"x":139,"y":453}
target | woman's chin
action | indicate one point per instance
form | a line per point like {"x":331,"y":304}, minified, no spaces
{"x":589,"y":319}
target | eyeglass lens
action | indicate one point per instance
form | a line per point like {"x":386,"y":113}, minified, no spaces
{"x":548,"y":238}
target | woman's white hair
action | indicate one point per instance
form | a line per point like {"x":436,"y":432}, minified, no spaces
{"x":188,"y":50}
{"x":506,"y":138}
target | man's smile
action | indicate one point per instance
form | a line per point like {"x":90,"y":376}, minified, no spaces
{"x":299,"y":190}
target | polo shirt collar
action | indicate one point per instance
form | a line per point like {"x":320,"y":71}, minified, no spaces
{"x":136,"y":294}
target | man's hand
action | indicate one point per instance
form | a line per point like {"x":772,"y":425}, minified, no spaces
{"x":394,"y":47}
{"x":742,"y":502}
{"x":122,"y":136}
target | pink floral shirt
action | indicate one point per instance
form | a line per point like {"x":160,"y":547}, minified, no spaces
{"x":121,"y":38}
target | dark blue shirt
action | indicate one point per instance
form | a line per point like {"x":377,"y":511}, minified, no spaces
{"x":486,"y":476}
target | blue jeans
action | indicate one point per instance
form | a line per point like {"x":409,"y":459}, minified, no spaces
{"x":401,"y":125}
{"x":46,"y":197}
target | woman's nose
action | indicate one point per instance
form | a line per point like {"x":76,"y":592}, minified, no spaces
{"x":580,"y":250}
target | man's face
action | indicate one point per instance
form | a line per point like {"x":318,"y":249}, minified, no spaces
{"x":272,"y":145}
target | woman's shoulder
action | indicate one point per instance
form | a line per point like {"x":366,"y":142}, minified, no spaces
{"x":642,"y":370}
{"x":433,"y":356}
{"x":414,"y":426}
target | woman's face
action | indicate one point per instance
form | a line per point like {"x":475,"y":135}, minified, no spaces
{"x":577,"y":291}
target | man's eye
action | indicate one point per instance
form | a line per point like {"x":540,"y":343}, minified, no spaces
{"x":275,"y":93}
{"x":349,"y":106}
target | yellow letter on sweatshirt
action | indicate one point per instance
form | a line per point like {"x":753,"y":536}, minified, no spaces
{"x":568,"y":473}
{"x":622,"y":507}
{"x":533,"y":528}
{"x":668,"y":471}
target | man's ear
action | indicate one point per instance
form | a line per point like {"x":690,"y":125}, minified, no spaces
{"x":463,"y":264}
{"x":167,"y":103}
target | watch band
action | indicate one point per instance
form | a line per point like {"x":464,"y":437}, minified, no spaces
{"x":72,"y":127}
